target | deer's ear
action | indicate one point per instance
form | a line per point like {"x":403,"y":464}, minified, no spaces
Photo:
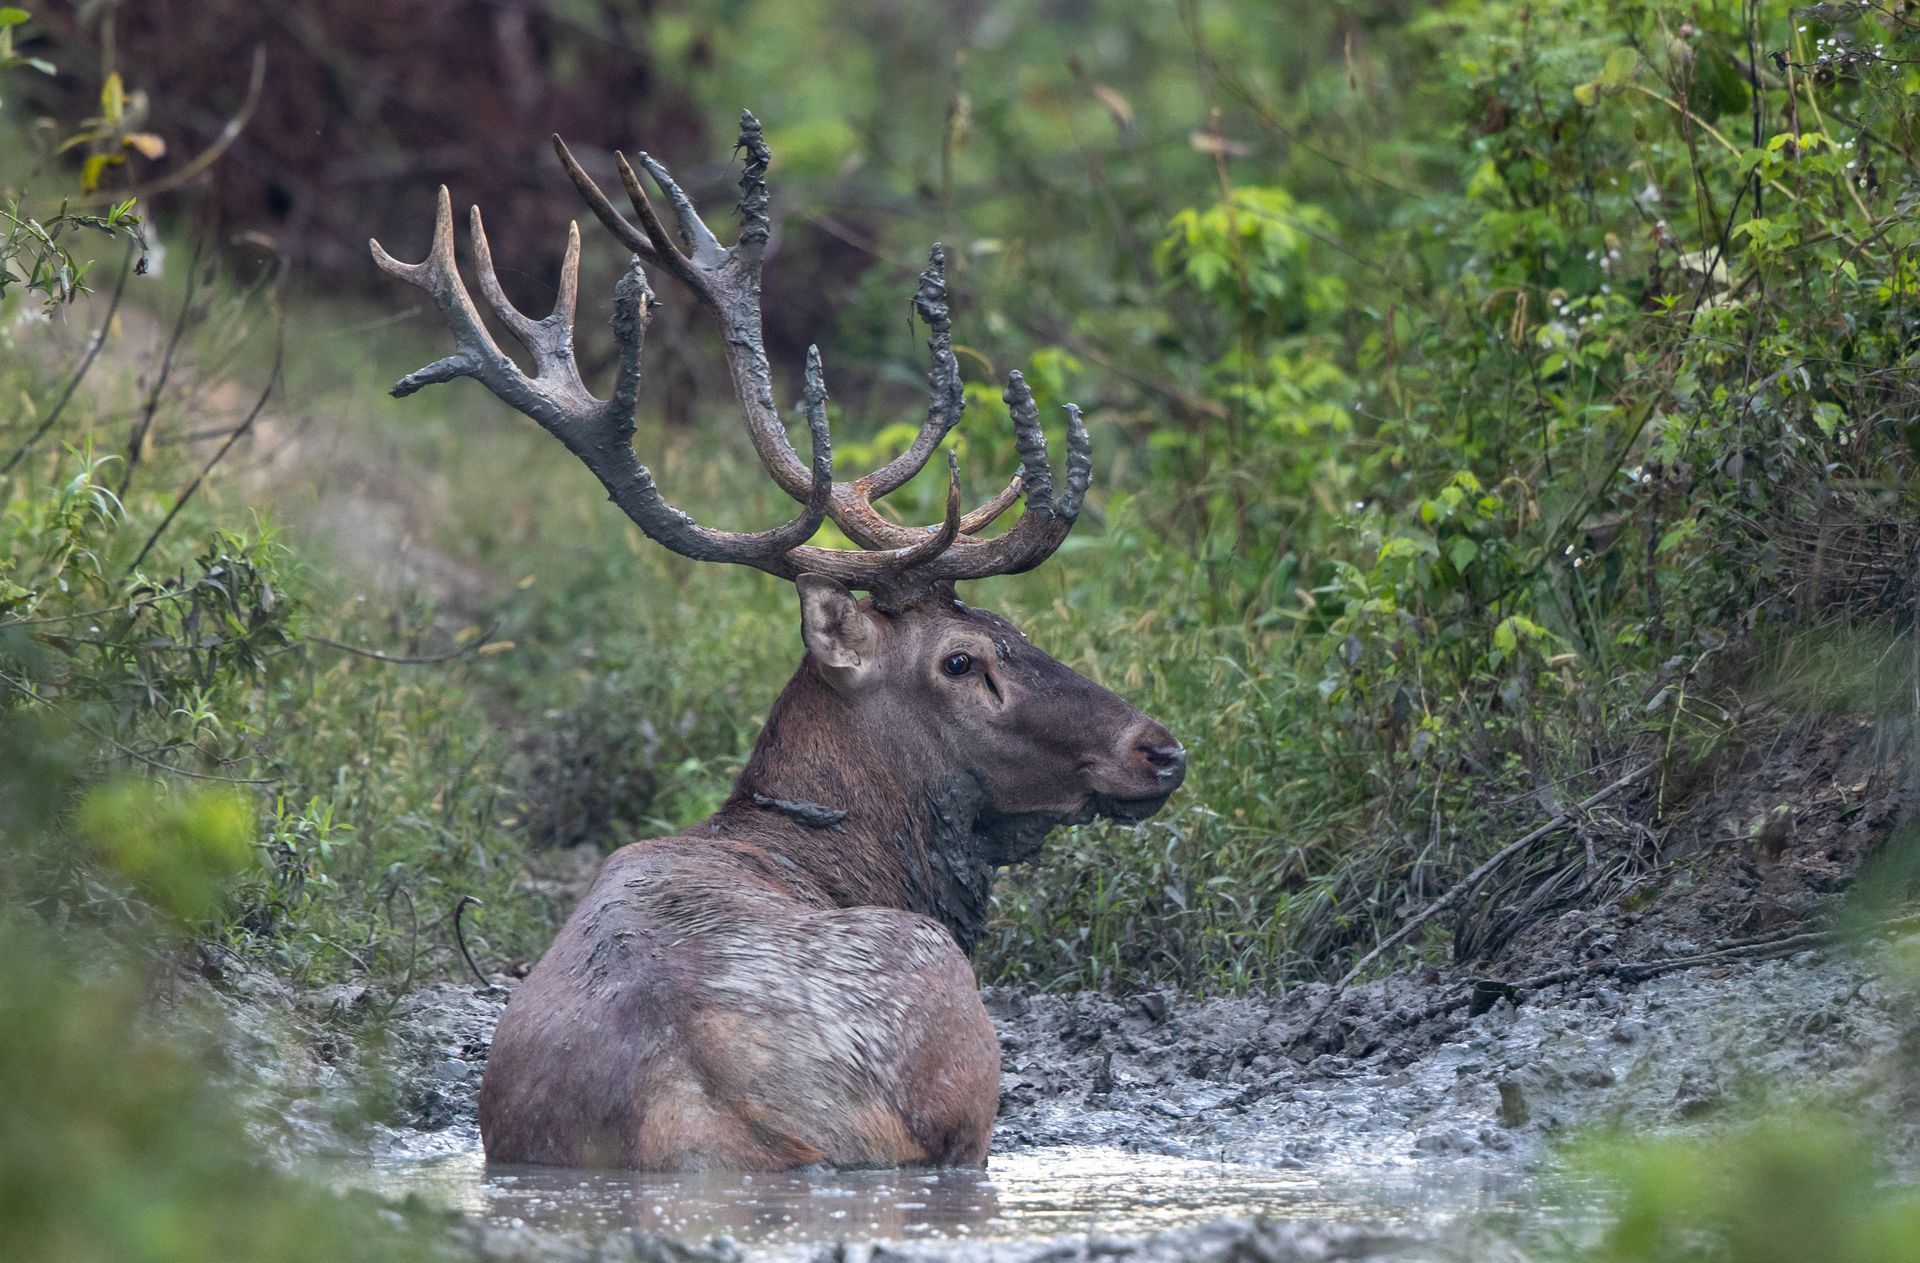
{"x":840,"y":635}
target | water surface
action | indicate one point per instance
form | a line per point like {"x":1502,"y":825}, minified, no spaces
{"x":1022,"y":1196}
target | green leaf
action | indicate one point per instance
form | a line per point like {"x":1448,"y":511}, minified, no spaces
{"x":11,"y":15}
{"x":1619,"y":67}
{"x":179,"y":846}
{"x":1462,"y":552}
{"x":1206,"y":268}
{"x":113,"y":98}
{"x":1718,"y":87}
{"x":94,"y":168}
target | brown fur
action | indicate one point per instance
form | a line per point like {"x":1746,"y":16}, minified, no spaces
{"x":767,"y":990}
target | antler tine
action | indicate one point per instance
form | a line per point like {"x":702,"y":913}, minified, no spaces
{"x":632,"y":309}
{"x":1079,"y":466}
{"x":887,"y":571}
{"x":670,"y":255}
{"x":946,"y":555}
{"x":439,"y":276}
{"x":755,"y":226}
{"x":814,"y":399}
{"x":550,"y":340}
{"x":616,"y":223}
{"x":948,"y":398}
{"x":566,"y":297}
{"x":697,"y":242}
{"x":853,"y":508}
{"x":728,"y":282}
{"x":1044,"y":526}
{"x":988,"y":513}
{"x":938,"y":542}
{"x":609,"y":454}
{"x":631,"y":486}
{"x":1029,"y":440}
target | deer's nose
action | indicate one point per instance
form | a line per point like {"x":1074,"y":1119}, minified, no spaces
{"x":1168,"y":760}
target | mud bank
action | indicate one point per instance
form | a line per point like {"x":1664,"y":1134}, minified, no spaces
{"x":1233,"y":1080}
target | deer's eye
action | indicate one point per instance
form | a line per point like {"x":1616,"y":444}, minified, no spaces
{"x":957,"y":664}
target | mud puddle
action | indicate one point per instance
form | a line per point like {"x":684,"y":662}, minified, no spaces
{"x":1102,"y":1199}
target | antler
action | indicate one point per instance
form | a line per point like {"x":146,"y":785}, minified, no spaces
{"x":598,"y":432}
{"x":727,"y":281}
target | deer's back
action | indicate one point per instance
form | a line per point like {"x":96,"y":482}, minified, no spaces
{"x":695,"y":1010}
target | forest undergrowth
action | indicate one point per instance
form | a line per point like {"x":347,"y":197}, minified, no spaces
{"x":1488,"y":399}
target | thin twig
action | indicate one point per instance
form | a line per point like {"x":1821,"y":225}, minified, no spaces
{"x":34,"y":695}
{"x":128,"y":608}
{"x":1472,"y":880}
{"x":460,"y":937}
{"x":413,"y":939}
{"x":406,"y":660}
{"x":1464,"y":887}
{"x":137,"y":437}
{"x":1764,"y":948}
{"x":206,"y":157}
{"x":240,"y":432}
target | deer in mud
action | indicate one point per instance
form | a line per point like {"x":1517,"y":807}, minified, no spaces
{"x":787,"y":983}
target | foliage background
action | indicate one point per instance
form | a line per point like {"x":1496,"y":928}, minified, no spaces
{"x":1485,"y":395}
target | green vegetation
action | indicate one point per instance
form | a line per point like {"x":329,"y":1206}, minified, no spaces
{"x":1802,"y":1187}
{"x":1481,"y":392}
{"x":115,"y":1144}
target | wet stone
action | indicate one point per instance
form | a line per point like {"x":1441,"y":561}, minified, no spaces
{"x":1514,"y":1110}
{"x":451,"y":1071}
{"x":1445,"y":1140}
{"x":1628,"y":1031}
{"x":1591,"y":1074}
{"x":431,"y":1110}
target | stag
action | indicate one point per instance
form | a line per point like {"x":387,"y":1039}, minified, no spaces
{"x":788,"y":982}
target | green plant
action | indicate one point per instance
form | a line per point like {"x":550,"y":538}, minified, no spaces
{"x":33,"y":255}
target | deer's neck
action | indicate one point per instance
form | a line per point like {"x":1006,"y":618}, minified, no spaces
{"x":865,"y":821}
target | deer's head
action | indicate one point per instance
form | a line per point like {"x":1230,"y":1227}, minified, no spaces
{"x":915,"y":674}
{"x":965,"y":693}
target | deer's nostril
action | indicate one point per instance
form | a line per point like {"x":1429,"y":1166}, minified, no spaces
{"x":1165,"y":759}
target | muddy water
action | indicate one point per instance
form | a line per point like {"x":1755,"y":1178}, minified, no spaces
{"x":1406,"y":1210}
{"x":1204,"y":1130}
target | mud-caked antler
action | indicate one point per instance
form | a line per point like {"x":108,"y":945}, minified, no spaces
{"x":892,"y":557}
